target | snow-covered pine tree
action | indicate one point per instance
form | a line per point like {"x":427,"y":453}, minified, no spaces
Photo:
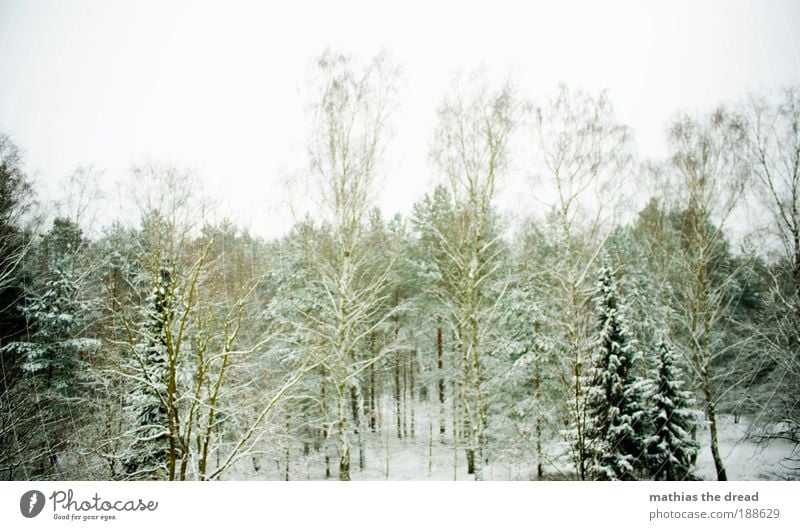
{"x":523,"y":358}
{"x":52,"y":353}
{"x":55,"y":312}
{"x":147,"y":406}
{"x":671,"y":450}
{"x":616,"y":422}
{"x":434,"y":224}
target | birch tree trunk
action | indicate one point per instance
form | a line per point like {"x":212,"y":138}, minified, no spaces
{"x":471,"y":149}
{"x":711,"y":173}
{"x":350,"y":113}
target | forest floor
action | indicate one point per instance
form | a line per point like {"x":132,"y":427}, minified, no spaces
{"x":387,"y":457}
{"x":743,"y":458}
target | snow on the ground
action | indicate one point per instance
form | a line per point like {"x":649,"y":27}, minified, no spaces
{"x":743,"y":459}
{"x":390,"y":458}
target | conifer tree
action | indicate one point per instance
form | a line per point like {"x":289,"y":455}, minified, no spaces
{"x":615,"y":397}
{"x":671,"y":450}
{"x":53,"y":355}
{"x":147,"y":404}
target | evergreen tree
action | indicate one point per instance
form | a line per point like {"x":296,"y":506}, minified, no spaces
{"x":519,"y":418}
{"x":671,"y":450}
{"x":56,"y":313}
{"x":147,"y":405}
{"x":53,"y":352}
{"x":434,"y":223}
{"x":53,"y":356}
{"x":615,"y":398}
{"x":17,"y":408}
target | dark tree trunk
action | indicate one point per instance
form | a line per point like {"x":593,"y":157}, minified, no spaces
{"x":288,"y":445}
{"x":405,"y":395}
{"x":712,"y":425}
{"x":397,"y":397}
{"x":440,"y":365}
{"x":470,"y":461}
{"x":537,"y":385}
{"x":372,"y":404}
{"x":412,"y":393}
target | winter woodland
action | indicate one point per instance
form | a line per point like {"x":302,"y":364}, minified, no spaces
{"x":592,"y":339}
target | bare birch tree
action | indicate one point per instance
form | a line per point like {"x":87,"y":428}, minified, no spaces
{"x":774,"y":141}
{"x":582,"y":153}
{"x":471,"y":148}
{"x":710,"y":175}
{"x":350,"y":113}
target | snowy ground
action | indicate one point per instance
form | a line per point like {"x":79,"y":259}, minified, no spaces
{"x":743,"y":459}
{"x":390,"y":458}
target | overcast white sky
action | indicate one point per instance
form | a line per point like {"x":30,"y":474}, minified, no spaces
{"x":217,"y":86}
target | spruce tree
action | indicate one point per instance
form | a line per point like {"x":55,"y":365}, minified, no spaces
{"x":671,"y":450}
{"x":54,"y":356}
{"x":615,"y":398}
{"x":56,"y":312}
{"x":147,"y":405}
{"x":53,"y":353}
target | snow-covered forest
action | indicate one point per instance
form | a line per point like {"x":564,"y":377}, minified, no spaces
{"x":597,"y":337}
